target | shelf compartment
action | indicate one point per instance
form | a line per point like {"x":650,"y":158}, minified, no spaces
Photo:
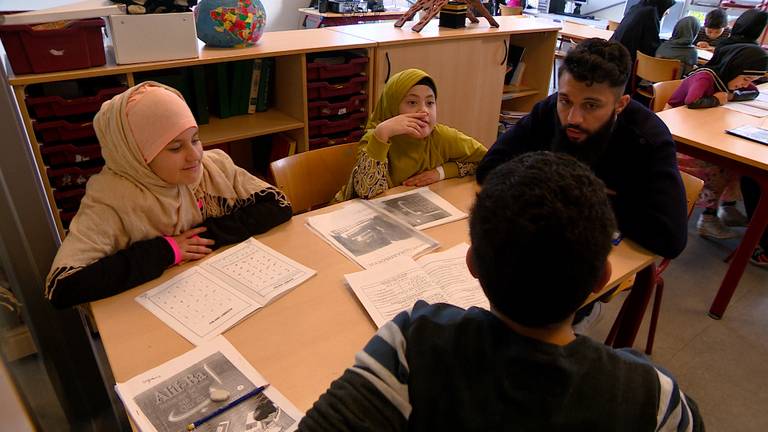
{"x":514,"y":92}
{"x":219,"y":131}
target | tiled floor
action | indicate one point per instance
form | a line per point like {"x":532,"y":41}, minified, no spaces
{"x":722,"y":364}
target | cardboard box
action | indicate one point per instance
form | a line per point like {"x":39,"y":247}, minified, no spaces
{"x":153,"y":37}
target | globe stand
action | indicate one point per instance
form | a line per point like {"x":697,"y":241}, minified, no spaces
{"x":432,"y":8}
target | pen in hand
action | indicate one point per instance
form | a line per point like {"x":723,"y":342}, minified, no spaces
{"x":226,"y":407}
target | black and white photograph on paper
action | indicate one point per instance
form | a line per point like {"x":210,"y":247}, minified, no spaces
{"x":420,"y":208}
{"x":368,"y":235}
{"x":180,"y":392}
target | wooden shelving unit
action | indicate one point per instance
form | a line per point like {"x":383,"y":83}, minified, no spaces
{"x":219,"y":131}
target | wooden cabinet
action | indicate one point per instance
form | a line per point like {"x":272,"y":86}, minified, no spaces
{"x":466,"y":72}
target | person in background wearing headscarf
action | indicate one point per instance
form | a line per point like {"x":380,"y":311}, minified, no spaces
{"x":159,"y":200}
{"x":404,"y":144}
{"x":639,"y":29}
{"x":747,"y":29}
{"x":710,"y":86}
{"x":680,"y":46}
{"x":715,"y":30}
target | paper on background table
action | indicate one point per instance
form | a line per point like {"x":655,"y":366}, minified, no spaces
{"x":368,"y":235}
{"x":420,"y":208}
{"x":442,"y":277}
{"x":209,"y":298}
{"x":176,"y":393}
{"x":745,"y":108}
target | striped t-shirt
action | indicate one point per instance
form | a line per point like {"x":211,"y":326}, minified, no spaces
{"x":441,"y":368}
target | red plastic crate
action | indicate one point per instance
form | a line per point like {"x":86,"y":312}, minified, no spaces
{"x":327,"y":108}
{"x":330,"y":127}
{"x":321,"y":142}
{"x":62,"y":130}
{"x":71,"y":176}
{"x":69,"y":199}
{"x":70,"y":153}
{"x":79,"y":45}
{"x":57,"y":106}
{"x":320,"y":71}
{"x":326,"y":89}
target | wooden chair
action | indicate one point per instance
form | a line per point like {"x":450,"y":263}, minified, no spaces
{"x":662,"y":91}
{"x":692,"y":186}
{"x":654,"y":70}
{"x":311,"y":179}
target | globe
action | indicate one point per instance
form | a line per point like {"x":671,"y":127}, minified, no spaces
{"x":230,"y":23}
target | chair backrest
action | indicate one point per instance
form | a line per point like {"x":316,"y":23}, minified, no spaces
{"x":510,"y":10}
{"x":613,"y":25}
{"x":656,"y":69}
{"x":662,"y":91}
{"x":692,"y":186}
{"x":311,"y":179}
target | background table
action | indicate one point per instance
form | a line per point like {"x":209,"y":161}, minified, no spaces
{"x":701,"y":133}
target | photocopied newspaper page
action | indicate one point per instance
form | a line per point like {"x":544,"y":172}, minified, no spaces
{"x":420,"y":208}
{"x":442,"y":277}
{"x":209,"y":298}
{"x":757,"y":107}
{"x":182,"y":391}
{"x":368,"y":235}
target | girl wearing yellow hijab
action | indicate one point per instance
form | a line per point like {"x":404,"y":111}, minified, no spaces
{"x":405,"y":145}
{"x":159,"y":200}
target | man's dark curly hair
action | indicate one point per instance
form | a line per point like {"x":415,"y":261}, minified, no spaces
{"x":541,"y":231}
{"x":598,"y":61}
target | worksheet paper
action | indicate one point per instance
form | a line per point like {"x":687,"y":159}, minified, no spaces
{"x":209,"y":298}
{"x":420,"y":208}
{"x":177,"y":393}
{"x":391,"y":288}
{"x":368,"y":235}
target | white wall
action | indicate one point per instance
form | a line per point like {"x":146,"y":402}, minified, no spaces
{"x":282,"y":14}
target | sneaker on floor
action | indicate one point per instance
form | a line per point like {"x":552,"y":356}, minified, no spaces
{"x":590,"y":320}
{"x":710,"y":226}
{"x":731,"y":216}
{"x":759,"y":257}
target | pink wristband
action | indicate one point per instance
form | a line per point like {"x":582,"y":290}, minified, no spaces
{"x":176,"y":250}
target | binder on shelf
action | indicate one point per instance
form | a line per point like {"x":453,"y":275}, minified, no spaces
{"x":255,"y":79}
{"x":241,"y":72}
{"x":265,"y":84}
{"x":218,"y":90}
{"x":514,"y":59}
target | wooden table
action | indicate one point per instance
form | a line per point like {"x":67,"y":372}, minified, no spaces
{"x":312,"y":18}
{"x":305,"y":339}
{"x":577,"y":32}
{"x":701,"y":133}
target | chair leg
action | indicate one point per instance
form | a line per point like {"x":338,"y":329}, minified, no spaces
{"x":654,"y":315}
{"x":611,"y":338}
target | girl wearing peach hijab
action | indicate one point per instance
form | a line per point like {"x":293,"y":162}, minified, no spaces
{"x":159,"y":200}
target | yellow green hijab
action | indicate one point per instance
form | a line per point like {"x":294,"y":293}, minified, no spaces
{"x":409,"y":156}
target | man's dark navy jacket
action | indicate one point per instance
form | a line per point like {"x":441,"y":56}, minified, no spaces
{"x":639,"y":164}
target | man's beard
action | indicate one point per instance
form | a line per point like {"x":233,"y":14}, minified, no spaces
{"x":591,"y":148}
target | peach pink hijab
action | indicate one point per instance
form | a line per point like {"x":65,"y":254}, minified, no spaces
{"x":127,"y":202}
